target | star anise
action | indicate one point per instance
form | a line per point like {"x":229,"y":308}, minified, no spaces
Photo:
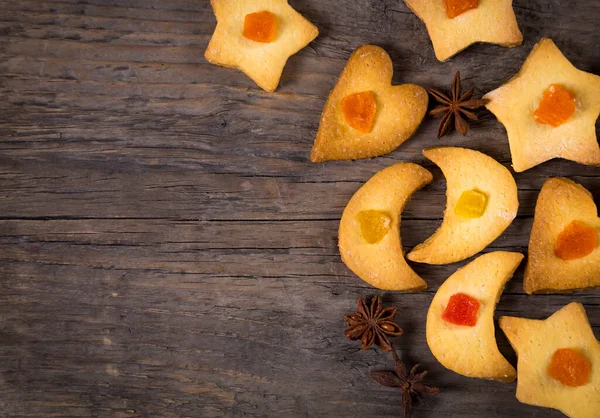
{"x":409,"y":383}
{"x":372,"y":324}
{"x":455,"y":108}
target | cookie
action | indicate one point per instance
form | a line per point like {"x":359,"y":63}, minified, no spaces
{"x":455,"y":25}
{"x":564,"y":254}
{"x":460,"y":320}
{"x":549,"y":110}
{"x":369,"y":234}
{"x":481,"y":203}
{"x":559,"y":361}
{"x":257,"y":37}
{"x":365,"y":116}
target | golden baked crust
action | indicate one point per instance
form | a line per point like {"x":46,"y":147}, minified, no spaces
{"x":262,"y":62}
{"x":400,"y":110}
{"x":382,"y":264}
{"x":472,"y":351}
{"x":536,"y":341}
{"x":493,"y":21}
{"x":459,"y":238}
{"x":560,"y":202}
{"x":513,"y":103}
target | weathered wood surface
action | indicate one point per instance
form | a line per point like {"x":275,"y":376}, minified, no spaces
{"x":166,"y":247}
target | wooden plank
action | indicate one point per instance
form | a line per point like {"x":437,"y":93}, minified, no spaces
{"x":133,"y":192}
{"x":166,"y":247}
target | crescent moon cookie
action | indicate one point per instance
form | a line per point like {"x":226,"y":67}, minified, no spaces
{"x":453,"y":25}
{"x":369,"y":234}
{"x":481,"y":203}
{"x":365,"y":116}
{"x":549,"y":110}
{"x":460,"y":320}
{"x":564,"y":252}
{"x":559,"y":361}
{"x":257,"y":37}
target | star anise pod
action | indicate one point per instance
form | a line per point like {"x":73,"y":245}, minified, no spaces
{"x":455,"y":108}
{"x":372,"y":324}
{"x":408,"y":382}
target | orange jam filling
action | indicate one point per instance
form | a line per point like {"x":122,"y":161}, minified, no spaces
{"x":458,"y":7}
{"x":462,"y":309}
{"x":556,"y":107}
{"x":471,"y":204}
{"x":576,"y":241}
{"x":570,"y":367}
{"x":260,"y":27}
{"x":359,"y":110}
{"x":374,"y":225}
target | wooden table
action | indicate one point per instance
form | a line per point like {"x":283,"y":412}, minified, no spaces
{"x":167,"y":249}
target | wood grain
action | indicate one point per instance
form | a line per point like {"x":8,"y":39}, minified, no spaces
{"x":168,"y":250}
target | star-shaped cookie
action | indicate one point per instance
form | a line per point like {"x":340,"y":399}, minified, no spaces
{"x":516,"y":105}
{"x":258,"y":37}
{"x":559,"y":361}
{"x":563,"y":205}
{"x":490,"y":21}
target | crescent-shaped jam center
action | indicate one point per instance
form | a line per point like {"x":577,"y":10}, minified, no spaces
{"x":471,"y":204}
{"x":374,"y":225}
{"x":462,"y":310}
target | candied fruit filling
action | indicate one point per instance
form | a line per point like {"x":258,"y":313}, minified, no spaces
{"x":458,"y":7}
{"x":359,"y":110}
{"x":471,"y":204}
{"x":570,"y":367}
{"x":374,"y":225}
{"x":556,"y":107}
{"x":577,"y":240}
{"x":260,"y":27}
{"x":462,"y":310}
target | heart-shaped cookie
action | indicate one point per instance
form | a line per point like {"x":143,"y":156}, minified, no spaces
{"x":365,"y":116}
{"x":564,"y":251}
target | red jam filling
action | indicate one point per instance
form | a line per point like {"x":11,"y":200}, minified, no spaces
{"x":462,"y":310}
